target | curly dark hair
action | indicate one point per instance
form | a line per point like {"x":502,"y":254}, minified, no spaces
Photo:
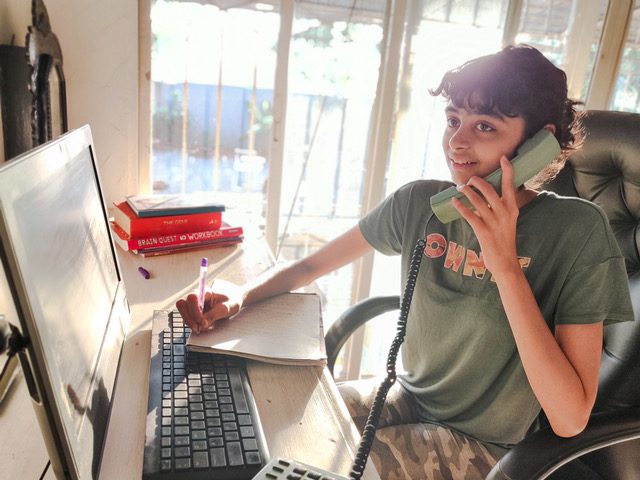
{"x":518,"y":81}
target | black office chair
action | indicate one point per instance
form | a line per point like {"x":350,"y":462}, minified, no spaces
{"x":605,"y":171}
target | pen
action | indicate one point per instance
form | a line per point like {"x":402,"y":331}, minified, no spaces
{"x":201,"y":282}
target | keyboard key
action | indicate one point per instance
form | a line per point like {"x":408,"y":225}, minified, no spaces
{"x":183,"y":463}
{"x":216,"y":442}
{"x":244,"y":420}
{"x":253,"y":458}
{"x":199,"y":445}
{"x":201,"y":460}
{"x":229,"y":426}
{"x":181,"y":420}
{"x":228,"y":417}
{"x":182,"y":452}
{"x":234,"y":451}
{"x":250,"y":444}
{"x":238,"y":391}
{"x":198,"y":425}
{"x":178,"y":349}
{"x":197,"y":416}
{"x":181,"y":441}
{"x":218,"y":458}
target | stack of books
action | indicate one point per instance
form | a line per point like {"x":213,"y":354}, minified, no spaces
{"x":160,"y":224}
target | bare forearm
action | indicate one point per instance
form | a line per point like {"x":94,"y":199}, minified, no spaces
{"x":277,"y":280}
{"x":565,"y":394}
{"x":337,"y":253}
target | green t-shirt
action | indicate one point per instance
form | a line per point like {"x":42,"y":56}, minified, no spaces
{"x":461,"y":359}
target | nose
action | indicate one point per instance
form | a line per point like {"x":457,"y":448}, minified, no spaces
{"x":459,"y":138}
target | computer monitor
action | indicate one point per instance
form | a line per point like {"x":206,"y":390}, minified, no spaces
{"x":64,"y":278}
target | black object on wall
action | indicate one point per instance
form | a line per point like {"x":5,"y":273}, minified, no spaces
{"x":46,"y":80}
{"x":16,"y":100}
{"x":32,"y":87}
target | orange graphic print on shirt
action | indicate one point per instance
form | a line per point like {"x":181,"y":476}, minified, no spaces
{"x":459,"y":258}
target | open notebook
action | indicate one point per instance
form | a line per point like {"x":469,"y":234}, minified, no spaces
{"x":286,"y":329}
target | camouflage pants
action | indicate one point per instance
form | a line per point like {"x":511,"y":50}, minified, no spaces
{"x":405,"y":449}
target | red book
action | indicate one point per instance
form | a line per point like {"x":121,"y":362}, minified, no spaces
{"x":139,"y":227}
{"x":153,"y":252}
{"x":127,"y":242}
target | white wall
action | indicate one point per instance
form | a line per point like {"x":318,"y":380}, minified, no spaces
{"x":99,"y":41}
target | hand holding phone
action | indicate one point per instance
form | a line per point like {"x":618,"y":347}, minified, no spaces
{"x":532,"y":156}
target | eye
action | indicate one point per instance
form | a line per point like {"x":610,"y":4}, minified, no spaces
{"x":452,"y":122}
{"x":485,"y":127}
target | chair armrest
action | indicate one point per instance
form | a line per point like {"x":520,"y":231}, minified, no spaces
{"x":353,"y":318}
{"x":542,"y":452}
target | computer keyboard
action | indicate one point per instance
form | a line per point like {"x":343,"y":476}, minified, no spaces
{"x":202,"y":421}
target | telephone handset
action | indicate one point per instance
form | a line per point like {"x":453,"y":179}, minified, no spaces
{"x":532,"y":156}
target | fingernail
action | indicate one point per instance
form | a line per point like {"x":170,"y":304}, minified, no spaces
{"x":459,"y":187}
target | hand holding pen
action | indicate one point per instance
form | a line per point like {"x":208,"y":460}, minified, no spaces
{"x":200,"y":310}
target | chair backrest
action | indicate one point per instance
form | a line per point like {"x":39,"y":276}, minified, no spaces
{"x":606,"y":171}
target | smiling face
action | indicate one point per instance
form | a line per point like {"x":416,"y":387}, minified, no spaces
{"x":473,"y":142}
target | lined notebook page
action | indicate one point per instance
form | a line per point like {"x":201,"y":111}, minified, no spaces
{"x":286,"y":329}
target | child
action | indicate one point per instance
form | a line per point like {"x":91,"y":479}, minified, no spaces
{"x":508,"y":310}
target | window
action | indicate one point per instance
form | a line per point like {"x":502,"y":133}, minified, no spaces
{"x":568,"y":33}
{"x":346,"y":83}
{"x":213,"y":73}
{"x":626,"y":95}
{"x":333,"y":71}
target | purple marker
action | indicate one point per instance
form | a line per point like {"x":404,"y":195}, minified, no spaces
{"x":202,"y":280}
{"x":145,"y":273}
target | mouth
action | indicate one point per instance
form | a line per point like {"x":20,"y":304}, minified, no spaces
{"x":460,"y":163}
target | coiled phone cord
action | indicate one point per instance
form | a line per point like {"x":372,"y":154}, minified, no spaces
{"x":368,"y":434}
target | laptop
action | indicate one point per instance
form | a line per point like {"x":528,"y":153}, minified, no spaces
{"x":72,"y":319}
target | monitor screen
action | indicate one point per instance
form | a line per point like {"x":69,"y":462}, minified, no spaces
{"x":63,"y":273}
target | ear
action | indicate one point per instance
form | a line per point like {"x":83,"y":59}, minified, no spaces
{"x":550,"y":127}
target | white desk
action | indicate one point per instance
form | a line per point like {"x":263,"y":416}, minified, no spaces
{"x":301,"y":411}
